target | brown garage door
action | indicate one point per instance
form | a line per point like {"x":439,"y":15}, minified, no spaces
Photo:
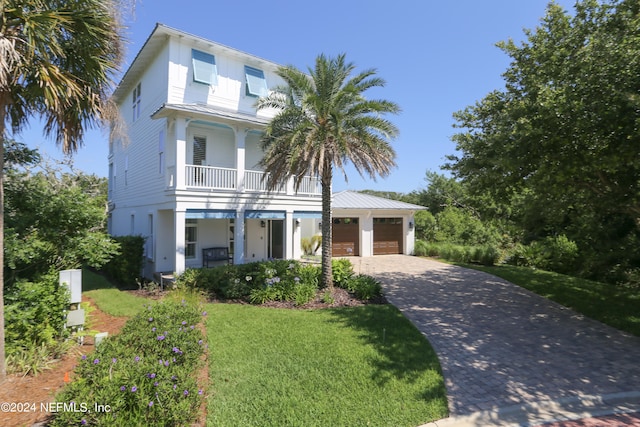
{"x":387,"y":236}
{"x":346,"y":237}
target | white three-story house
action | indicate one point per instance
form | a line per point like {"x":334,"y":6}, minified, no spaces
{"x":187,"y":176}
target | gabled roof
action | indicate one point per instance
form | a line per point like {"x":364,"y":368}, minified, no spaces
{"x":352,"y":200}
{"x":156,"y":41}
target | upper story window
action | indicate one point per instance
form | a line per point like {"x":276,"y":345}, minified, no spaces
{"x":136,"y":101}
{"x":204,"y":67}
{"x":256,"y":83}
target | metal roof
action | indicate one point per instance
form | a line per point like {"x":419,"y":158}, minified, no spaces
{"x":352,"y":200}
{"x":206,"y":112}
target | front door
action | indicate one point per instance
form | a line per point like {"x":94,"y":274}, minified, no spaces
{"x":276,"y":238}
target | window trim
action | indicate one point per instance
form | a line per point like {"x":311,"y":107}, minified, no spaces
{"x":256,"y":83}
{"x":205,"y":70}
{"x":191,"y":223}
{"x":136,"y":101}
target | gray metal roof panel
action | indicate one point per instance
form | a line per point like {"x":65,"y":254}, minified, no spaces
{"x":353,"y":200}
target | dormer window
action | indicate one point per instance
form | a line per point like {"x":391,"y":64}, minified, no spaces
{"x":204,"y":68}
{"x":136,"y":102}
{"x":256,"y":83}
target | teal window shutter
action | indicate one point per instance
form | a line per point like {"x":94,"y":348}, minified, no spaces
{"x":204,"y":67}
{"x":256,"y":83}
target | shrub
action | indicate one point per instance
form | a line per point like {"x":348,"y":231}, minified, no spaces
{"x":125,"y":268}
{"x":35,"y":313}
{"x":342,"y":270}
{"x":365,"y":287}
{"x":145,"y":374}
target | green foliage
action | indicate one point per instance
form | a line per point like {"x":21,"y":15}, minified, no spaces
{"x":364,"y":287}
{"x":125,"y":268}
{"x":483,"y":254}
{"x":342,"y":272}
{"x":54,"y":221}
{"x":559,"y":143}
{"x":146,"y":374}
{"x":556,"y":253}
{"x":35,"y":313}
{"x":426,"y":225}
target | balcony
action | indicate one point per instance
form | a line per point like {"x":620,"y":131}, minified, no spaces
{"x":215,"y":178}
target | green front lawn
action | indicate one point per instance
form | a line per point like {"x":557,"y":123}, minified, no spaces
{"x":354,"y":366}
{"x":616,"y":306}
{"x":109,"y":298}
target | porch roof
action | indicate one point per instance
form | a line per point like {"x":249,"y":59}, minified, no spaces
{"x":205,"y":111}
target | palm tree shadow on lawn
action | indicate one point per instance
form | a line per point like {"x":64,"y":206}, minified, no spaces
{"x":402,"y":352}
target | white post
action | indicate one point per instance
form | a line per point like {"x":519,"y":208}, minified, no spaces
{"x":179,"y":223}
{"x":238,"y":238}
{"x":241,"y":135}
{"x":181,"y":153}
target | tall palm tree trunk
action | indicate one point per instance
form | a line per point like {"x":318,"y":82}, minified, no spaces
{"x":3,"y":371}
{"x":327,"y":238}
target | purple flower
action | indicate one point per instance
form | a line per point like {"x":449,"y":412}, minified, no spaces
{"x":96,"y":361}
{"x":174,"y":386}
{"x":192,"y":327}
{"x":83,"y":422}
{"x":161,"y":337}
{"x":155,"y":384}
{"x":200,"y":342}
{"x":150,"y":404}
{"x":184,"y":323}
{"x":114,"y":360}
{"x":150,"y":319}
{"x":123,"y":388}
{"x":204,"y":313}
{"x":177,"y":350}
{"x":166,"y":363}
{"x":153,"y":329}
{"x":200,"y":391}
{"x":134,"y":389}
{"x":137,"y":358}
{"x":186,"y":392}
{"x":151,"y":375}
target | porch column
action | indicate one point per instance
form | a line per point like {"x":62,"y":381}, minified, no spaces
{"x":181,"y":153}
{"x":289,"y":232}
{"x":297,"y":235}
{"x":240,"y":158}
{"x":238,"y":238}
{"x":179,"y":224}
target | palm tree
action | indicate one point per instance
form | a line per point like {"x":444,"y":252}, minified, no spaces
{"x":323,"y":121}
{"x":58,"y":59}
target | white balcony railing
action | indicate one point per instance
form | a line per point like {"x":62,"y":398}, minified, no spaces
{"x":253,"y":182}
{"x":214,"y":178}
{"x":309,"y":185}
{"x":211,"y":177}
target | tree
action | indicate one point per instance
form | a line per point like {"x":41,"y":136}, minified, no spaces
{"x":563,"y":135}
{"x":58,"y":60}
{"x":323,"y":122}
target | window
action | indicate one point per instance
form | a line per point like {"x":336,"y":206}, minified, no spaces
{"x":190,"y":238}
{"x":112,"y":178}
{"x":148,"y":245}
{"x":161,"y":152}
{"x":136,"y":102}
{"x":126,"y":170}
{"x":199,"y":150}
{"x":204,"y":68}
{"x":256,"y":83}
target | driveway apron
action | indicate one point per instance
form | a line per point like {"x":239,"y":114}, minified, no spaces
{"x":500,"y":345}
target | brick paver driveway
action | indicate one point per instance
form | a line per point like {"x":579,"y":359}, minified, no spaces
{"x":501,"y":345}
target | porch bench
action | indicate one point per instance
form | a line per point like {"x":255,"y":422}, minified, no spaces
{"x":214,"y":255}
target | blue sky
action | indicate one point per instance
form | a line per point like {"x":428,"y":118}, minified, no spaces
{"x":437,"y":57}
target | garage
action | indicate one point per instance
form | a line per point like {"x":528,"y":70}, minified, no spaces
{"x":346,"y":237}
{"x":387,"y":236}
